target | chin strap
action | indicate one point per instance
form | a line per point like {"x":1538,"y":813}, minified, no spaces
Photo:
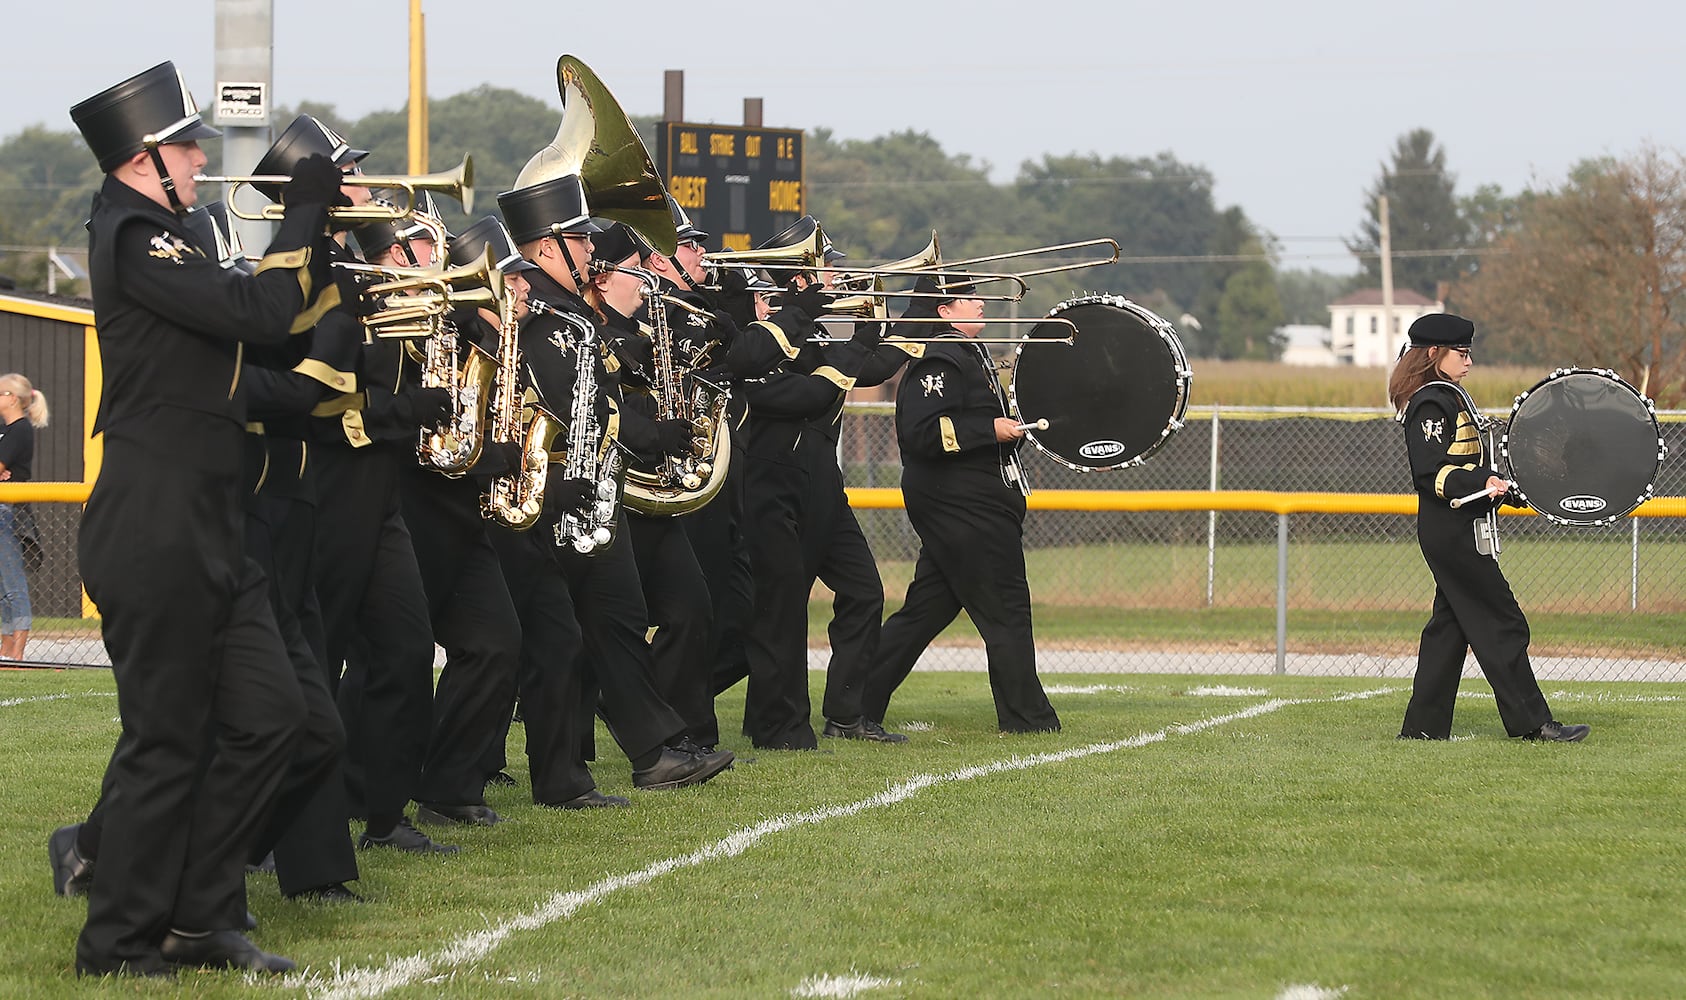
{"x":164,"y":179}
{"x":573,"y":268}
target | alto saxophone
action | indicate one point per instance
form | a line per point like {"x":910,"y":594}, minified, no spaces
{"x":516,"y":499}
{"x":587,"y":455}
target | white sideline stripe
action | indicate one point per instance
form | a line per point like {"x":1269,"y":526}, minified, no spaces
{"x":472,"y":947}
{"x":1088,"y":688}
{"x":1311,"y":991}
{"x":1223,"y":691}
{"x":10,"y":702}
{"x":1577,"y":696}
{"x":916,"y":727}
{"x":851,"y":985}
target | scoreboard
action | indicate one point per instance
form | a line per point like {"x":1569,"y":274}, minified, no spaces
{"x":740,"y":184}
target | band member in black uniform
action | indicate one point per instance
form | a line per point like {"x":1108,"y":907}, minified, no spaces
{"x":312,"y":851}
{"x":185,"y":613}
{"x":553,"y":229}
{"x":675,"y":591}
{"x":1474,"y":608}
{"x":803,"y":526}
{"x":716,"y":531}
{"x":468,"y":602}
{"x":961,"y":481}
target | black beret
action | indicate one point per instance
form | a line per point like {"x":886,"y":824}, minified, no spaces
{"x":1441,"y":330}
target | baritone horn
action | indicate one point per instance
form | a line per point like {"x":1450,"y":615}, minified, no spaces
{"x":456,"y":183}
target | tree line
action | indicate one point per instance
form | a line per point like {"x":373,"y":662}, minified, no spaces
{"x":1587,"y":272}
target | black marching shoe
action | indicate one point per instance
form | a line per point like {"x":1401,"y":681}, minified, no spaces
{"x":439,"y":814}
{"x":405,"y":837}
{"x":862,"y":728}
{"x":251,"y":921}
{"x":676,"y":769}
{"x":593,"y":799}
{"x":1556,"y":732}
{"x":221,"y":950}
{"x":72,"y":874}
{"x":333,"y":892}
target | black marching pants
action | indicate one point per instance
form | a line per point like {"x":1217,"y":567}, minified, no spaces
{"x":198,"y":664}
{"x":721,"y":544}
{"x":970,"y":526}
{"x":549,"y":678}
{"x":1474,"y":609}
{"x":677,"y":599}
{"x":374,"y":616}
{"x":474,"y":620}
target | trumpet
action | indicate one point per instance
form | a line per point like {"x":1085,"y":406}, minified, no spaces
{"x":457,"y":183}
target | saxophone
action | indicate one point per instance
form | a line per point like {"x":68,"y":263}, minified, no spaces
{"x":586,"y":455}
{"x":516,"y":500}
{"x":679,"y":485}
{"x":454,"y":444}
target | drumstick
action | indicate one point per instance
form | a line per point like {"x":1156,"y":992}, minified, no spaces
{"x":1039,"y":425}
{"x":1477,"y":495}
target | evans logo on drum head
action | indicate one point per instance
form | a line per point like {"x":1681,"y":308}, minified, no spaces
{"x":1582,"y":504}
{"x":1102,"y":449}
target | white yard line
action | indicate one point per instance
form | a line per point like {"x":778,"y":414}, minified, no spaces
{"x":1222,"y":691}
{"x":10,"y":702}
{"x":1086,"y":688}
{"x":851,"y":985}
{"x":475,"y":946}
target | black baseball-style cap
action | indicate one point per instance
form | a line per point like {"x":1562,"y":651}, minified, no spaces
{"x":118,"y":122}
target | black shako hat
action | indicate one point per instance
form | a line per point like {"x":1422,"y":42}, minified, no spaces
{"x":488,"y":231}
{"x":683,"y":228}
{"x":117,"y":122}
{"x":799,"y":232}
{"x":951,"y":286}
{"x":1441,"y":330}
{"x":373,"y":238}
{"x":617,"y":243}
{"x":305,"y":137}
{"x":549,"y":208}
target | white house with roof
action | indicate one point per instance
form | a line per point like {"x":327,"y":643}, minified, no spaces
{"x":1360,"y":335}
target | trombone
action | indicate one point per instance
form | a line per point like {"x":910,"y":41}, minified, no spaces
{"x":1077,"y":265}
{"x":892,"y":339}
{"x":457,"y":183}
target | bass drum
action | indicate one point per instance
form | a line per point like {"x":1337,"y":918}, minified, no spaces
{"x":1583,"y":447}
{"x":1112,"y":398}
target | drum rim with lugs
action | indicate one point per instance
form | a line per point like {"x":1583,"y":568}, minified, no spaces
{"x":1102,"y":451}
{"x":1567,"y":495}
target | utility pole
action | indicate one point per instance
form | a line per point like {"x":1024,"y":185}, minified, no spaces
{"x":1387,"y":274}
{"x":245,"y":49}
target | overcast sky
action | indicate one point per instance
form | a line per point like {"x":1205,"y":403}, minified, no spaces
{"x":1292,"y":106}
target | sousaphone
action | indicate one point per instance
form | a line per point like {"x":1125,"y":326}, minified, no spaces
{"x":596,"y":140}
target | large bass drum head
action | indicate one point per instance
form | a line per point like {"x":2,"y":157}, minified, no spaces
{"x":1583,"y":447}
{"x":1112,"y":397}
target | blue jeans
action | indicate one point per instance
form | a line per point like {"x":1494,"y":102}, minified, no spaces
{"x":14,"y":585}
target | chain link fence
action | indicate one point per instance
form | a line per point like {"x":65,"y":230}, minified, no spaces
{"x":1212,"y":593}
{"x":1256,"y":593}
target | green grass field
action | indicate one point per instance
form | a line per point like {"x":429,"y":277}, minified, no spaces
{"x":1174,"y":841}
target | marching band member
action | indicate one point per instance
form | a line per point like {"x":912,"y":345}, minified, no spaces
{"x":804,"y":528}
{"x":1473,"y":604}
{"x":185,"y":613}
{"x":552,"y":227}
{"x":676,"y":593}
{"x":961,"y":481}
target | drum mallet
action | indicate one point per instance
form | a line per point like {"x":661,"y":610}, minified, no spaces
{"x":1038,"y":425}
{"x":1477,"y":495}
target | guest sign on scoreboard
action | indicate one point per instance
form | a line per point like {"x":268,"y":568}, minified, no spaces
{"x":740,"y":184}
